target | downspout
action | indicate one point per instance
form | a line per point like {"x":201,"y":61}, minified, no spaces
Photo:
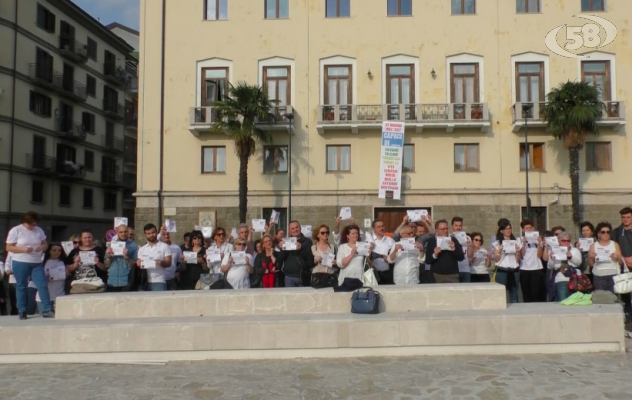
{"x":162,"y":114}
{"x":12,"y":146}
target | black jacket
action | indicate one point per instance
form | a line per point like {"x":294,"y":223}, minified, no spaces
{"x":624,"y":238}
{"x":295,"y":261}
{"x":448,"y":261}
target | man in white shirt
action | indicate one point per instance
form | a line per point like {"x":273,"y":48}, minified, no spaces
{"x":382,"y":245}
{"x":171,"y":272}
{"x":154,"y":257}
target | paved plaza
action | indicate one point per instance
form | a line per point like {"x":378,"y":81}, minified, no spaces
{"x":591,"y":376}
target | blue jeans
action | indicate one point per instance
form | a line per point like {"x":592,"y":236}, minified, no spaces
{"x":157,"y":286}
{"x":561,"y":291}
{"x":292,"y":282}
{"x":31,"y":304}
{"x":172,"y":284}
{"x":22,"y":272}
{"x":501,"y":277}
{"x":465,"y":277}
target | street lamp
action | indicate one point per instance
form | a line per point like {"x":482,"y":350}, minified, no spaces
{"x":526,"y":111}
{"x":289,"y":118}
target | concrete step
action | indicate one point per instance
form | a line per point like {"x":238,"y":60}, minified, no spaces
{"x":475,"y":296}
{"x":518,"y":329}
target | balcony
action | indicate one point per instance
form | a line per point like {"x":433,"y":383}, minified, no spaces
{"x":129,"y":157}
{"x":613,"y":116}
{"x":73,"y":50}
{"x":41,"y":164}
{"x":113,"y":143}
{"x":73,"y":90}
{"x":132,"y":85}
{"x":419,"y":116}
{"x":201,"y":119}
{"x":70,"y":170}
{"x":112,"y":179}
{"x":115,"y":75}
{"x":129,"y":181}
{"x":70,"y":130}
{"x":114,"y":110}
{"x":131,"y":123}
{"x":56,"y":81}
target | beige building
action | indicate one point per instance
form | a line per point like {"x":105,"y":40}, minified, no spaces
{"x":62,"y":117}
{"x":458,"y":72}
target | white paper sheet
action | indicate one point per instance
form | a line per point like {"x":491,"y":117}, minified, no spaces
{"x":559,"y":253}
{"x":407,"y":243}
{"x":117,"y":248}
{"x":275,"y":216}
{"x":234,"y":234}
{"x":363,"y":248}
{"x":509,"y":246}
{"x":289,"y":243}
{"x":328,"y":259}
{"x":57,"y":272}
{"x":307,"y":231}
{"x":414,"y":215}
{"x":461,"y":237}
{"x":87,"y":257}
{"x":207,"y":232}
{"x":118,"y":221}
{"x":68,"y":247}
{"x":602,"y":254}
{"x":190,"y":257}
{"x":213,"y":256}
{"x":443,"y":242}
{"x":259,"y":225}
{"x":585,"y":243}
{"x":170,"y":225}
{"x":532,"y":237}
{"x":148,"y":263}
{"x":551,"y":241}
{"x":239,"y":257}
{"x":345,"y":213}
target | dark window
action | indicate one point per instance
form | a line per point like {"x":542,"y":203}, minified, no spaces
{"x":87,"y":198}
{"x":64,"y":195}
{"x":40,"y":104}
{"x":277,"y":9}
{"x":215,"y":10}
{"x":598,"y":156}
{"x":45,"y":19}
{"x":527,"y":6}
{"x":338,"y":8}
{"x":399,"y":7}
{"x":88,"y":160}
{"x":465,"y":83}
{"x":277,"y":82}
{"x":92,"y":49}
{"x":110,"y":98}
{"x":593,"y":5}
{"x":37,"y":192}
{"x":461,"y":7}
{"x":91,"y":85}
{"x":109,"y":201}
{"x":43,"y":65}
{"x":275,"y":159}
{"x":88,"y":122}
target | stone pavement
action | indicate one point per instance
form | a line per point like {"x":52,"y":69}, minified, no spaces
{"x":590,"y":376}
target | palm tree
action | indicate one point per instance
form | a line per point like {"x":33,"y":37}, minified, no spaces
{"x":239,"y":115}
{"x":571,"y":114}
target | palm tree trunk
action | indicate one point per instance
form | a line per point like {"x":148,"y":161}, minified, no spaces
{"x":573,"y":154}
{"x":243,"y":185}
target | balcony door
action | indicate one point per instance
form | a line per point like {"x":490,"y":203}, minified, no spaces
{"x":214,"y":85}
{"x":109,"y":169}
{"x":66,"y":35}
{"x":110,"y":97}
{"x":338,"y":91}
{"x":400,"y":89}
{"x":529,"y":82}
{"x":464,"y":79}
{"x":69,"y":75}
{"x":44,"y":65}
{"x":66,"y":158}
{"x":66,"y":115}
{"x":39,"y":152}
{"x":597,"y":73}
{"x":109,"y":62}
{"x":277,"y":82}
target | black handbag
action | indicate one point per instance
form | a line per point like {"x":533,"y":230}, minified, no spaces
{"x":324,"y":280}
{"x":365,"y":301}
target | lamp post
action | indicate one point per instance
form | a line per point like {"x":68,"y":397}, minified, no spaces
{"x":526,"y":110}
{"x":289,"y":118}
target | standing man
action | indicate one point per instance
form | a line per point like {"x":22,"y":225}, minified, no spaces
{"x":176,"y":254}
{"x":121,"y":267}
{"x":623,"y":235}
{"x":464,"y":266}
{"x":444,"y":264}
{"x":158,"y":252}
{"x":296,"y":263}
{"x":382,"y":245}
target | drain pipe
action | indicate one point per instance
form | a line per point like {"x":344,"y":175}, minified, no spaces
{"x":12,"y":140}
{"x":162,"y":114}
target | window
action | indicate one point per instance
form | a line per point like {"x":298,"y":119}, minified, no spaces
{"x":400,"y":84}
{"x":64,"y":195}
{"x":37,"y":192}
{"x":409,"y":158}
{"x":277,"y":82}
{"x":43,"y":65}
{"x":527,"y":6}
{"x":529,"y":82}
{"x":598,"y":156}
{"x":597,"y":73}
{"x":277,"y":9}
{"x":275,"y":159}
{"x":87,"y":198}
{"x":267,"y":214}
{"x":88,"y":160}
{"x":593,"y":5}
{"x":399,"y":8}
{"x":465,"y":84}
{"x":110,"y":99}
{"x":109,"y":201}
{"x":538,"y":216}
{"x":45,"y":19}
{"x":461,"y":7}
{"x":40,"y":104}
{"x":88,"y":122}
{"x":39,"y":153}
{"x":536,"y":157}
{"x":216,"y":10}
{"x":91,"y":85}
{"x":338,"y":8}
{"x":92,"y":49}
{"x":339,"y":158}
{"x":338,"y":85}
{"x":214,"y":85}
{"x":466,"y":157}
{"x":213,"y":159}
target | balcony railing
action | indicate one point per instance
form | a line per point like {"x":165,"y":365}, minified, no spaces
{"x":129,"y":181}
{"x":613,"y":115}
{"x":202,"y":118}
{"x":111,"y":178}
{"x":131,"y":122}
{"x":74,"y":90}
{"x":113,"y":143}
{"x":130,"y":157}
{"x":70,"y":129}
{"x":113,"y":109}
{"x":115,"y":74}
{"x":64,"y":85}
{"x":70,"y":170}
{"x":72,"y":49}
{"x":132,"y":84}
{"x":419,"y":115}
{"x":41,"y":163}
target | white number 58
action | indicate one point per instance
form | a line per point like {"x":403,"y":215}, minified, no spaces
{"x":587,"y":35}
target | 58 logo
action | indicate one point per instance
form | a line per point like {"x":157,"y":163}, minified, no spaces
{"x":581,"y":36}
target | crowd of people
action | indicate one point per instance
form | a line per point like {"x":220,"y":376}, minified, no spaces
{"x":540,"y":265}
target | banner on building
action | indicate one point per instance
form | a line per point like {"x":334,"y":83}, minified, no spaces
{"x":391,"y":160}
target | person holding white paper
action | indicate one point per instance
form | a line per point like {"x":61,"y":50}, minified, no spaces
{"x":264,"y":270}
{"x":406,"y":270}
{"x":321,"y":246}
{"x":172,"y":275}
{"x":224,"y":247}
{"x":119,"y":265}
{"x":337,"y":232}
{"x":351,"y":264}
{"x":444,"y":262}
{"x":603,"y":270}
{"x":382,"y":245}
{"x":77,"y":269}
{"x":507,"y":263}
{"x":532,"y":279}
{"x":238,"y":272}
{"x":587,"y":231}
{"x":479,"y":259}
{"x":561,"y":266}
{"x":190,"y":272}
{"x":297,"y":264}
{"x":160,"y":253}
{"x":55,"y":270}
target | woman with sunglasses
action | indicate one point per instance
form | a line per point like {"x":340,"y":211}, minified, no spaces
{"x":604,"y":268}
{"x":190,"y":272}
{"x":479,"y":259}
{"x":219,"y":243}
{"x":238,"y":273}
{"x":321,"y":245}
{"x":507,"y":260}
{"x":264,"y":265}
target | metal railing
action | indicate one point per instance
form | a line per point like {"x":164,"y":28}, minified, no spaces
{"x":70,"y":170}
{"x":41,"y":162}
{"x":70,"y":129}
{"x":62,"y":84}
{"x":534,"y":111}
{"x":110,"y":178}
{"x":129,"y":181}
{"x":113,"y":109}
{"x":415,"y":113}
{"x":72,"y":49}
{"x":114,"y":74}
{"x":113,"y":143}
{"x":210,"y":115}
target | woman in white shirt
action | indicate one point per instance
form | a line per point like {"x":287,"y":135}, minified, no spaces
{"x":609,"y":261}
{"x":350,"y":263}
{"x":237,"y":273}
{"x":479,"y":259}
{"x":27,"y":242}
{"x":532,"y":280}
{"x":53,"y":261}
{"x":406,"y":271}
{"x":220,"y":243}
{"x":558,"y":284}
{"x":507,"y":260}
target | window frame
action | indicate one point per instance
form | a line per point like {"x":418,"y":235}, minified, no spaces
{"x":41,"y":183}
{"x":607,"y":94}
{"x":276,"y":150}
{"x":337,"y":78}
{"x":278,"y":7}
{"x":337,"y":14}
{"x":91,"y":83}
{"x":91,"y":197}
{"x":411,"y":76}
{"x":532,"y":147}
{"x":477,"y":82}
{"x":62,"y":188}
{"x":526,"y":7}
{"x":91,"y":127}
{"x":540,"y":75}
{"x":288,"y":87}
{"x":86,"y":165}
{"x":49,"y":19}
{"x":338,"y":158}
{"x":591,"y":7}
{"x":463,"y":8}
{"x":93,"y":49}
{"x":217,"y":11}
{"x":203,"y":83}
{"x":107,"y":196}
{"x":399,"y":9}
{"x":465,"y":152}
{"x":47,"y":104}
{"x":594,"y":168}
{"x":410,"y":145}
{"x":215,"y":171}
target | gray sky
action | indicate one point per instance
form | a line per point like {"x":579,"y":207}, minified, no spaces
{"x":125,"y":12}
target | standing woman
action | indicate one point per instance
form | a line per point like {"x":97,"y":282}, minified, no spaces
{"x":264,"y":265}
{"x":73,"y":261}
{"x":237,"y":273}
{"x":220,"y":243}
{"x":587,"y":232}
{"x":507,"y":261}
{"x":406,"y":270}
{"x":280,"y":276}
{"x":350,"y":263}
{"x":27,"y":242}
{"x":604,"y":270}
{"x":191,"y":272}
{"x":479,"y":259}
{"x":320,"y":238}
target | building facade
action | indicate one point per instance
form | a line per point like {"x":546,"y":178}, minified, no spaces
{"x":62,"y":118}
{"x":458,"y":72}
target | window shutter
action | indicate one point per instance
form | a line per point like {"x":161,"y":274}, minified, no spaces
{"x":538,"y":157}
{"x":32,"y":101}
